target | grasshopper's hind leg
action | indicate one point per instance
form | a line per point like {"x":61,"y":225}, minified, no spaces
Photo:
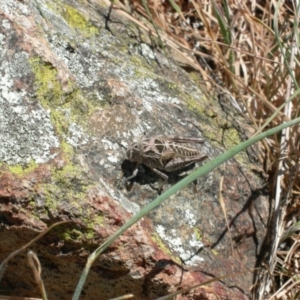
{"x":135,"y":172}
{"x":163,"y":176}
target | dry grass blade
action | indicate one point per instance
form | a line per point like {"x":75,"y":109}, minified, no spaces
{"x":35,"y":265}
{"x":128,"y":296}
{"x":222,"y":203}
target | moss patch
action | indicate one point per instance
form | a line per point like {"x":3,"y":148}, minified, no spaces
{"x":198,"y":234}
{"x":69,"y":234}
{"x":74,"y":18}
{"x":69,"y":183}
{"x":67,"y":150}
{"x":65,"y":107}
{"x":47,"y":85}
{"x":98,"y":220}
{"x":160,"y":243}
{"x":23,"y":170}
{"x":78,"y":21}
{"x":195,"y":106}
{"x":231,"y":138}
{"x":49,"y":91}
{"x":156,"y":238}
{"x":91,"y":223}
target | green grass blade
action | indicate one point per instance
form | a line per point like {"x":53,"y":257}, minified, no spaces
{"x":225,"y":28}
{"x":175,"y":6}
{"x":222,"y":23}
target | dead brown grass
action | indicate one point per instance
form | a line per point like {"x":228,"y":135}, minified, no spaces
{"x":252,"y":47}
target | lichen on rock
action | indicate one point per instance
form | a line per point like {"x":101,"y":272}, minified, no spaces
{"x":26,"y":130}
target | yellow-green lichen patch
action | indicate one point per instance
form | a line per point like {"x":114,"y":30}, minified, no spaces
{"x":169,"y":88}
{"x":90,"y":232}
{"x":47,"y":86}
{"x":69,"y":234}
{"x":31,"y":204}
{"x":66,"y":109}
{"x":68,"y":185}
{"x":160,"y":244}
{"x":22,"y":170}
{"x":69,"y":176}
{"x":215,"y":252}
{"x":195,"y":106}
{"x":198,"y":234}
{"x":81,"y":106}
{"x":98,"y":220}
{"x":60,"y":121}
{"x":196,"y":77}
{"x":172,"y":89}
{"x":93,"y":222}
{"x":231,"y":138}
{"x":77,"y":21}
{"x":74,"y":18}
{"x":136,"y":61}
{"x":58,"y":197}
{"x":141,"y":71}
{"x":49,"y":92}
{"x":51,"y":194}
{"x":67,"y":150}
{"x":213,"y":135}
{"x":172,"y":86}
{"x":211,"y":112}
{"x":228,"y":137}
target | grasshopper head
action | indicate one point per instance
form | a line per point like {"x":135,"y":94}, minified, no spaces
{"x":133,"y":153}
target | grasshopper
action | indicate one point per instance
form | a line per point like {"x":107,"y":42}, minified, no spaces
{"x":170,"y":153}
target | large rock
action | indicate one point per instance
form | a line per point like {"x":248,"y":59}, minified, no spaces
{"x":73,"y":94}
